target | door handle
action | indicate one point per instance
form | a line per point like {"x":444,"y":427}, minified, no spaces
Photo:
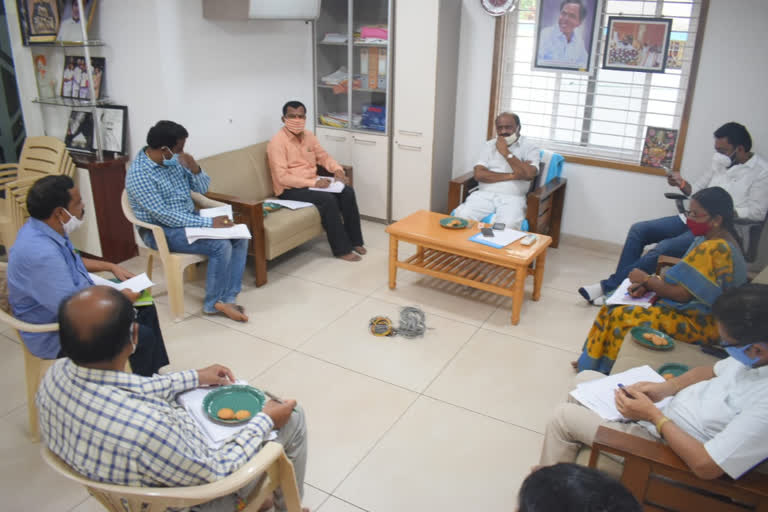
{"x":363,"y":141}
{"x":409,"y":132}
{"x":409,"y":148}
{"x":336,"y":137}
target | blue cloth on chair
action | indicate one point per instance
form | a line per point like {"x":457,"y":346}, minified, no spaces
{"x":555,"y":167}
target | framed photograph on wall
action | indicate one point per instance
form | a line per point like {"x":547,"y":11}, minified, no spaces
{"x":71,"y":17}
{"x":74,"y":79}
{"x":79,"y":135}
{"x":113,"y":120}
{"x":42,"y":20}
{"x":637,"y":44}
{"x":566,"y":33}
{"x":659,"y":147}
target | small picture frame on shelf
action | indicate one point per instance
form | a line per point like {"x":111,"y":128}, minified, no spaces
{"x":79,"y":135}
{"x":70,"y":27}
{"x":42,"y":20}
{"x":113,"y":121}
{"x":637,"y":44}
{"x":46,"y":81}
{"x":74,"y":81}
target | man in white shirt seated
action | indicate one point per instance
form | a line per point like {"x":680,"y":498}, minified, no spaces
{"x":504,"y":172}
{"x":735,"y":168}
{"x":717,"y":420}
{"x":562,"y":44}
{"x":117,"y":427}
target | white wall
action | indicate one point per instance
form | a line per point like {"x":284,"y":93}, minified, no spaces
{"x":603,"y":203}
{"x":225,"y":81}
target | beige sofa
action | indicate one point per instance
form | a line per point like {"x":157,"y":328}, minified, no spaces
{"x":241,"y":178}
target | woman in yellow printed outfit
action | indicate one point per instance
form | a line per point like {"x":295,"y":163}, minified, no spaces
{"x":713,"y":264}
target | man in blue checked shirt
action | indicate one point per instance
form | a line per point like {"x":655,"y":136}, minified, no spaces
{"x":159,"y":183}
{"x":113,"y":426}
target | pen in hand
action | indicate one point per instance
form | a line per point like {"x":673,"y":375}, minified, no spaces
{"x":624,"y":389}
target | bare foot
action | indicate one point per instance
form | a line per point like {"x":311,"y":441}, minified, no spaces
{"x":359,"y":249}
{"x":350,"y":256}
{"x":231,"y":311}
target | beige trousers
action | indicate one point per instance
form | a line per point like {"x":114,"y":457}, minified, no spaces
{"x":573,"y":427}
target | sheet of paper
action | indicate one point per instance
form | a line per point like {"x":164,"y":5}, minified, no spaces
{"x":287,"y":203}
{"x":598,"y":395}
{"x":236,"y":231}
{"x":215,"y":434}
{"x":218,"y":211}
{"x":137,"y":283}
{"x":621,"y":297}
{"x":500,"y":238}
{"x":335,"y":186}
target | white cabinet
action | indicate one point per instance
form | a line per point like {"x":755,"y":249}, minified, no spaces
{"x":368,"y":154}
{"x":426,"y":60}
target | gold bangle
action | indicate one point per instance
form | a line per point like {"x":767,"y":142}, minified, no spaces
{"x":649,"y":278}
{"x":660,"y":424}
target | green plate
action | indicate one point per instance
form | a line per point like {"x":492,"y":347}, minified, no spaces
{"x":235,"y":397}
{"x":446,"y":223}
{"x":675,"y":369}
{"x":637,"y":335}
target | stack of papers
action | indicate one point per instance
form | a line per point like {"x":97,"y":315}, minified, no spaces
{"x":335,"y":186}
{"x":236,"y":231}
{"x":216,"y":434}
{"x":287,"y":203}
{"x":621,"y":297}
{"x":135,"y":284}
{"x":599,"y":395}
{"x":501,"y":238}
{"x":333,"y":37}
{"x":218,"y":211}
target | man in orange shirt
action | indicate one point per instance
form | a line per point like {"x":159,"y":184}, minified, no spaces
{"x":294,"y":155}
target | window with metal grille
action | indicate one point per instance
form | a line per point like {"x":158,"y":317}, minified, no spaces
{"x":600,"y":117}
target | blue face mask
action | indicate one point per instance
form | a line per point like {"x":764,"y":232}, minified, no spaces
{"x":740,"y":354}
{"x":174,"y":160}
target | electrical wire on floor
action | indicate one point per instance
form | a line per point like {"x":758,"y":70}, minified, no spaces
{"x":413,"y":323}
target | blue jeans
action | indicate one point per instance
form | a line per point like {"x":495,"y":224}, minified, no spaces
{"x":672,"y":237}
{"x":226,"y":263}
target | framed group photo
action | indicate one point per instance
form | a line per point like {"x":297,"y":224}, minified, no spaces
{"x":566,"y":32}
{"x":637,"y":44}
{"x":74,"y":80}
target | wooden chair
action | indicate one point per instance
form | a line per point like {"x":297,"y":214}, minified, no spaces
{"x":544,"y":209}
{"x":174,"y":263}
{"x":661,"y":481}
{"x":270,"y":461}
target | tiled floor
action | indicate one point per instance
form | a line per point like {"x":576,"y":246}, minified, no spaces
{"x":451,"y":422}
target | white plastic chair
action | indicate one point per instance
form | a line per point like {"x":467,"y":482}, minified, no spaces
{"x":270,"y":461}
{"x":174,"y":263}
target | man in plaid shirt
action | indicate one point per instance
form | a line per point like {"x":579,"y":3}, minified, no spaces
{"x":113,"y":426}
{"x":159,"y":183}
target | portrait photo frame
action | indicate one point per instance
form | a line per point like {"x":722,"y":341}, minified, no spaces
{"x":566,"y":35}
{"x":113,"y":120}
{"x":69,"y":27}
{"x":79,"y":135}
{"x":637,"y":44}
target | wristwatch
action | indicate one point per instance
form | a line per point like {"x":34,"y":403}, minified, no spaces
{"x":510,"y":156}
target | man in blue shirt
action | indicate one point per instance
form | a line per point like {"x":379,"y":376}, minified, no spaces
{"x":44,"y":269}
{"x":159,"y":183}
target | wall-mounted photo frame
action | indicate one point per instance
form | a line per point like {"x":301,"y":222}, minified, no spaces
{"x":659,"y":147}
{"x":113,"y":121}
{"x":74,"y":80}
{"x":637,"y":44}
{"x":42,"y":20}
{"x":79,"y":135}
{"x":71,"y":17}
{"x":566,"y":33}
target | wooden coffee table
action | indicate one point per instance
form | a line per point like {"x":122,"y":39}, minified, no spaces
{"x":449,"y":254}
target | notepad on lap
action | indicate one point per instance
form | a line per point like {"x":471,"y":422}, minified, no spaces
{"x":599,"y":395}
{"x":621,"y":297}
{"x":335,"y":186}
{"x":236,"y":231}
{"x":217,"y":211}
{"x":136,"y":284}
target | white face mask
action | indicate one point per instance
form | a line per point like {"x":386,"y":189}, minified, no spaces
{"x":72,"y":224}
{"x":512,"y":138}
{"x":721,"y":160}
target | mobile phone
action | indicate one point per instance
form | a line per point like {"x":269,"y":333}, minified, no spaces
{"x":487,"y":232}
{"x":714,"y":350}
{"x":499,"y":226}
